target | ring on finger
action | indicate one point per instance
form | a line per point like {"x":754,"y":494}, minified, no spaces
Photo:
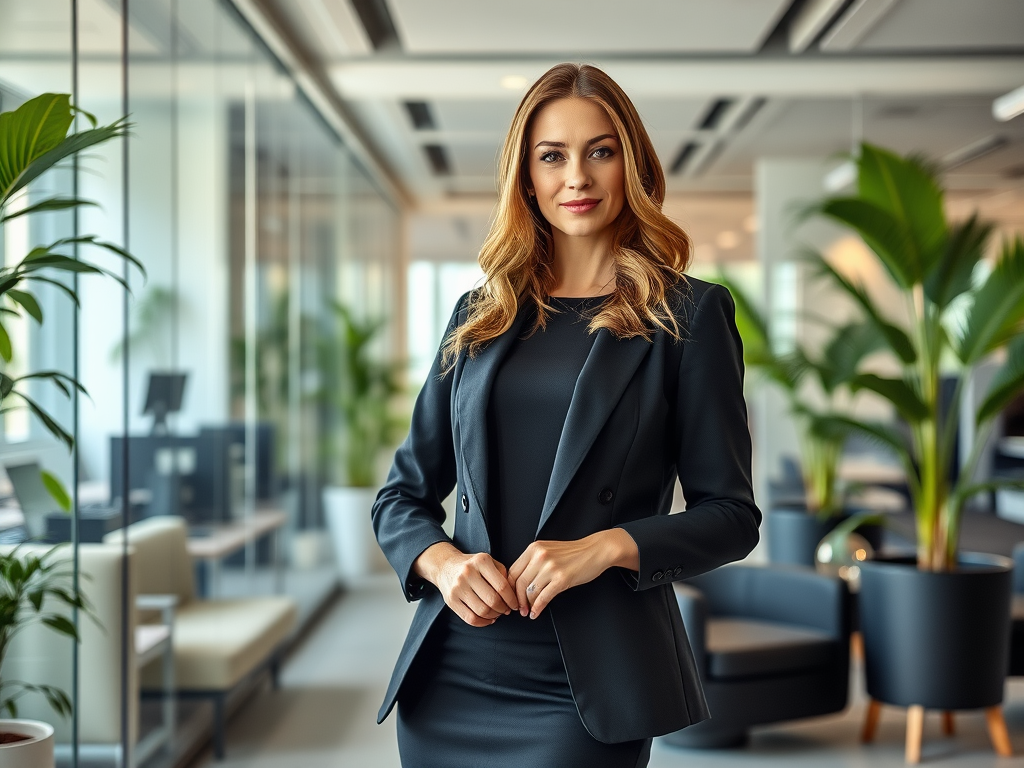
{"x":531,"y":589}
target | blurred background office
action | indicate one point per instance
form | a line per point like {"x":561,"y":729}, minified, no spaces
{"x":307,"y":184}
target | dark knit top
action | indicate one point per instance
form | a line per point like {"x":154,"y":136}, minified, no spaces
{"x":528,"y":404}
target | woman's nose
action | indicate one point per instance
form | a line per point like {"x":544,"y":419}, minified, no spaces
{"x":577,"y":177}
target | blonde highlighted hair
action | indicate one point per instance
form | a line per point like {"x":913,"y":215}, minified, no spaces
{"x":650,"y":251}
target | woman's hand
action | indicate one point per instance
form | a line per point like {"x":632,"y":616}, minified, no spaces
{"x":476,"y":586}
{"x":547,"y":568}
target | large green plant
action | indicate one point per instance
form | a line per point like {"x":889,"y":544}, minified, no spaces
{"x":364,"y":392}
{"x":31,"y":586}
{"x":33,"y":139}
{"x":898,"y":211}
{"x":796,"y":372}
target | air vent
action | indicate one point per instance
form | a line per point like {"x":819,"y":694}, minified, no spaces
{"x":684,"y":157}
{"x":748,"y":114}
{"x":376,"y":20}
{"x":715,"y":114}
{"x":437,"y":156}
{"x":420,"y":115}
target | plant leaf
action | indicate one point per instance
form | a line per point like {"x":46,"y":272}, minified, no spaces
{"x":28,"y":301}
{"x":997,"y":313}
{"x":1006,"y":384}
{"x":61,"y":624}
{"x":897,"y":391}
{"x":31,"y":131}
{"x":56,"y":490}
{"x":964,"y":248}
{"x":5,"y":344}
{"x":51,"y":204}
{"x":51,"y":425}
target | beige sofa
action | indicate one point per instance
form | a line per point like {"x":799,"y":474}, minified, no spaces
{"x":218,"y":643}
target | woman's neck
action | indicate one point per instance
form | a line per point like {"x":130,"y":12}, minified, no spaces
{"x":582,"y":266}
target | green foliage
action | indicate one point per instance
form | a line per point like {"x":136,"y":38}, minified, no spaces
{"x":898,"y":211}
{"x":364,"y":394}
{"x":33,"y":139}
{"x":823,"y":433}
{"x":35,"y":589}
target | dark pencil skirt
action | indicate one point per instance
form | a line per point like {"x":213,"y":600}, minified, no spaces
{"x":497,"y":697}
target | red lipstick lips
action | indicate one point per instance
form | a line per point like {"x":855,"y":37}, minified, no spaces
{"x":580,"y":206}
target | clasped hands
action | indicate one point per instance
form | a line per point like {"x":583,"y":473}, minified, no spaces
{"x":479,"y":589}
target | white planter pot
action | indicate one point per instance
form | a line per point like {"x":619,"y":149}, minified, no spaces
{"x":347,"y":511}
{"x":34,"y":752}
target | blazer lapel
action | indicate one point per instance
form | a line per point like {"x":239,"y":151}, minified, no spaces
{"x":473,"y":396}
{"x":605,"y":375}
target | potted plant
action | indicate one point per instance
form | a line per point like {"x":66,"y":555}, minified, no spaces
{"x":935,"y":628}
{"x":31,"y":586}
{"x":33,"y":139}
{"x":795,"y":529}
{"x":362,"y":392}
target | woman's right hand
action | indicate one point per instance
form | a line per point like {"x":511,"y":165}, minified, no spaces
{"x":474,"y":586}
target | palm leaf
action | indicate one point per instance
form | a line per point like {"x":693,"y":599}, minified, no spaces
{"x":31,"y":131}
{"x":896,"y":338}
{"x":897,"y":391}
{"x":964,"y":248}
{"x":51,"y":204}
{"x":845,"y":351}
{"x":28,"y":301}
{"x":906,"y":188}
{"x":997,"y":314}
{"x":1007,"y":383}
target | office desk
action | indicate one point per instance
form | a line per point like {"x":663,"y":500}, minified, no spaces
{"x":220,"y":541}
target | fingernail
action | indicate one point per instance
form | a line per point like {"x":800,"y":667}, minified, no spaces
{"x":523,"y":613}
{"x":533,"y":615}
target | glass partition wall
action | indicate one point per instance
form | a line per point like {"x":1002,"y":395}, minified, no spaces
{"x":209,"y":385}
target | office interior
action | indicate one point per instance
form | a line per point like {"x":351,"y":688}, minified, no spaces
{"x":292,"y":163}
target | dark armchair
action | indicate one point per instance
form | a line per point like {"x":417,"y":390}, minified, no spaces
{"x":772,"y":644}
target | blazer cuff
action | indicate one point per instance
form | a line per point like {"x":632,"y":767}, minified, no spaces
{"x":632,"y":578}
{"x":658,"y":567}
{"x":416,"y":587}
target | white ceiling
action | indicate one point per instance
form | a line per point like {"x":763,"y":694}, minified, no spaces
{"x":923,"y":72}
{"x":598,"y":26}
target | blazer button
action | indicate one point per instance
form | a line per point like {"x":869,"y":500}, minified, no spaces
{"x":658,"y":576}
{"x":465,"y":503}
{"x":606,"y":496}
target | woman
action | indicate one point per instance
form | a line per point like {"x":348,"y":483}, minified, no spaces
{"x":569,"y":393}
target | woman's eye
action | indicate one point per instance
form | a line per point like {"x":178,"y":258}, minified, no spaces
{"x":602,"y":153}
{"x":550,"y":157}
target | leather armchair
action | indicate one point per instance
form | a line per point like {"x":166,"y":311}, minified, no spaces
{"x":772,"y":644}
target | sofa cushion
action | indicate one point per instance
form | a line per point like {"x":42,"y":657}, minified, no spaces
{"x":218,"y":642}
{"x":750,"y":648}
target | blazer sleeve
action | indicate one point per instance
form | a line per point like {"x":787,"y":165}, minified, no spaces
{"x":407,"y":514}
{"x":713,"y":453}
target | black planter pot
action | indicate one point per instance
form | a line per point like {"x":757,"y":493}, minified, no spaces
{"x":793,"y":535}
{"x":936,"y":640}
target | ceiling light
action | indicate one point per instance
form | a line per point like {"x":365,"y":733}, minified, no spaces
{"x":514,"y":82}
{"x":727,"y":239}
{"x":973,"y":151}
{"x":841,"y":177}
{"x":1009,"y":105}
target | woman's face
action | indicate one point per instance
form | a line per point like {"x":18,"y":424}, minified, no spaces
{"x":576,"y":168}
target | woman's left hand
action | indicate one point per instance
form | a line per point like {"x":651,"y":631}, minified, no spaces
{"x":548,"y":568}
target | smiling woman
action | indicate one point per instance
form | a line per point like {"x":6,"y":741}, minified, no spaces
{"x":562,"y":406}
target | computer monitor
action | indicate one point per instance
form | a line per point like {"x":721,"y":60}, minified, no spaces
{"x":163,"y":396}
{"x":33,"y":498}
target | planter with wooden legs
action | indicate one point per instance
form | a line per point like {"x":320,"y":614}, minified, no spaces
{"x":936,"y":641}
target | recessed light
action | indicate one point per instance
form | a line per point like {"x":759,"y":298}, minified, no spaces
{"x":514,"y":82}
{"x":1009,"y":105}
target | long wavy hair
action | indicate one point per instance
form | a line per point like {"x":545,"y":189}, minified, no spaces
{"x":650,"y":252}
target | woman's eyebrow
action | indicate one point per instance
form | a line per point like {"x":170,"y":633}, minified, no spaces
{"x":561,"y":144}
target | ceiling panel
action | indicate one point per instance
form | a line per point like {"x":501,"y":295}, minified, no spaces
{"x":474,"y":159}
{"x":474,"y":115}
{"x":949,"y":24}
{"x":543,"y":26}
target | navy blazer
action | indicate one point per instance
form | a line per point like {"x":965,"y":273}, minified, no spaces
{"x":642,"y":413}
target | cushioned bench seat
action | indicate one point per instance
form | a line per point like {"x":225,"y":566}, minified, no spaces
{"x":219,"y":642}
{"x":749,"y":648}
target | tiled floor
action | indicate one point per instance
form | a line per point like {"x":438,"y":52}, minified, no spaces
{"x":325,"y":713}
